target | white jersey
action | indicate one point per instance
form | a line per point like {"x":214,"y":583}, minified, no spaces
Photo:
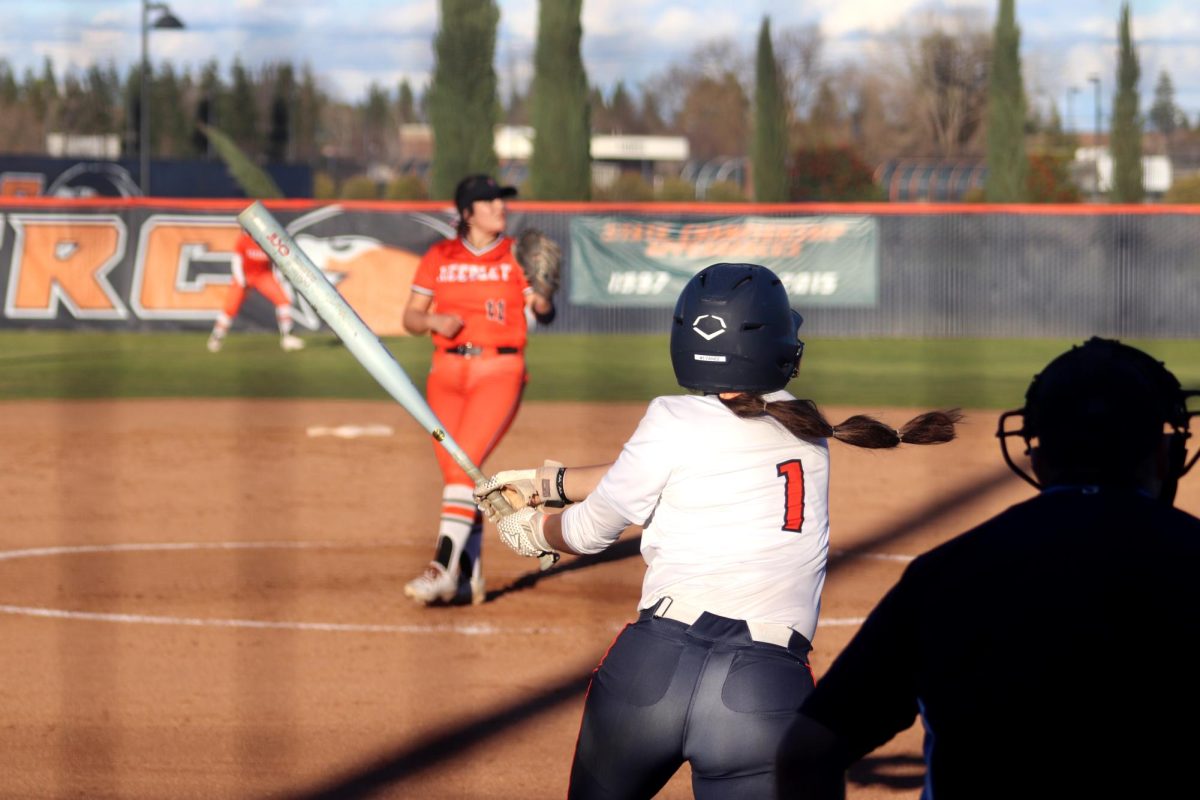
{"x":736,"y":511}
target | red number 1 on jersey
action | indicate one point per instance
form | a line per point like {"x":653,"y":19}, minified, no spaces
{"x":792,"y":473}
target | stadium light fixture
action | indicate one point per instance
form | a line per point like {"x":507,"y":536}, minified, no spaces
{"x":165,"y":21}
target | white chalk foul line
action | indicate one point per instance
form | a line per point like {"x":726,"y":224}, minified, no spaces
{"x":41,"y":552}
{"x":199,"y":622}
{"x":149,"y":619}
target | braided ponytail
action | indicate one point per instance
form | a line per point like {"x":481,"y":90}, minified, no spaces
{"x":804,"y":420}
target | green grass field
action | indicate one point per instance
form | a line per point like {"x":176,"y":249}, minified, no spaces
{"x":988,"y":374}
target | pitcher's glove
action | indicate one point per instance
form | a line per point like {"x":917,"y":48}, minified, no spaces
{"x":524,"y":532}
{"x":541,"y":259}
{"x":523,"y":487}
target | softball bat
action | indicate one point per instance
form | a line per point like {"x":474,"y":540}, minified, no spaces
{"x":362,"y":343}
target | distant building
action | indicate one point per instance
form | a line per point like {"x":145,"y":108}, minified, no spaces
{"x":650,"y":156}
{"x":1094,"y":164}
{"x":74,"y":145}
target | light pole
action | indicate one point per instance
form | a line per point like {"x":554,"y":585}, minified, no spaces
{"x":1071,"y":92}
{"x":1095,"y":81}
{"x":166,"y":21}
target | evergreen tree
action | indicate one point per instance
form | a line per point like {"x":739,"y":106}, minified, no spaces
{"x":406,"y":104}
{"x":1008,"y":166}
{"x":1127,"y":124}
{"x":770,"y":145}
{"x":651,"y":116}
{"x":170,"y":125}
{"x":99,"y":110}
{"x":71,"y":109}
{"x":462,"y":99}
{"x":48,"y":87}
{"x":41,"y":93}
{"x":279,"y":134}
{"x":306,"y":120}
{"x":238,"y":112}
{"x":374,"y":115}
{"x":1164,"y":114}
{"x":598,"y":110}
{"x":622,"y":111}
{"x":208,"y":101}
{"x":560,"y":166}
{"x":132,"y":94}
{"x":9,"y":90}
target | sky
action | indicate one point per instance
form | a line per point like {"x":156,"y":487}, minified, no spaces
{"x":351,"y":43}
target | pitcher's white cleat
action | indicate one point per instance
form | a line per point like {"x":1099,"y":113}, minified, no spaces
{"x":433,"y":585}
{"x":438,"y":585}
{"x":291,"y":343}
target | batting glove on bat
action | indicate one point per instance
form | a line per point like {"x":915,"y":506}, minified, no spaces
{"x":523,"y":487}
{"x":524,"y":532}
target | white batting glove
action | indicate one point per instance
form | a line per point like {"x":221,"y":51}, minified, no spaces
{"x":524,"y":532}
{"x":522,"y":488}
{"x":515,"y":486}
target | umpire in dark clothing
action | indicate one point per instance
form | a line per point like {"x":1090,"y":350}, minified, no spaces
{"x":1050,"y":652}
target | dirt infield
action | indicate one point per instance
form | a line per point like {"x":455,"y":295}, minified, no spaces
{"x":200,"y":600}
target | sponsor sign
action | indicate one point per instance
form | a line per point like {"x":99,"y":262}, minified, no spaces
{"x":830,"y":261}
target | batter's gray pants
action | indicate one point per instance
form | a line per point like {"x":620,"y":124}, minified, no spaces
{"x":667,"y":692}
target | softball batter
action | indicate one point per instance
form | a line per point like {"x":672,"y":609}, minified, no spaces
{"x":731,"y":485}
{"x":252,"y":270}
{"x":470,"y":294}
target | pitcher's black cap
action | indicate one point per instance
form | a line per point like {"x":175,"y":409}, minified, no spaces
{"x":479,"y":187}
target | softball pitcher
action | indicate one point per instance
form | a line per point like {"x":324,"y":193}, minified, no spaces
{"x":731,"y":486}
{"x":470,"y":294}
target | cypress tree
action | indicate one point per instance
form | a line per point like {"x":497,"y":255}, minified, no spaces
{"x":462,"y":97}
{"x":1164,"y":114}
{"x":1127,"y":124}
{"x":560,"y":166}
{"x":770,"y":146}
{"x":238,"y":112}
{"x":208,"y":101}
{"x":279,"y":132}
{"x":1008,"y":166}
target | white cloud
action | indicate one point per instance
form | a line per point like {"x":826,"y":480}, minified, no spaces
{"x":881,"y":16}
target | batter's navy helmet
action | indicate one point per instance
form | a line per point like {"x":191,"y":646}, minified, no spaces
{"x":1101,"y":408}
{"x":734,"y":331}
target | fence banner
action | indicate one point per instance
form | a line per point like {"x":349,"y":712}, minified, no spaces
{"x":641,"y":262}
{"x":139,"y":266}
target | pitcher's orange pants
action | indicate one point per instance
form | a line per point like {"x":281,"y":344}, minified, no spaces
{"x":476,"y":398}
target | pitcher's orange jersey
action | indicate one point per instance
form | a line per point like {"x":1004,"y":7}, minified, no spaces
{"x":486,"y":288}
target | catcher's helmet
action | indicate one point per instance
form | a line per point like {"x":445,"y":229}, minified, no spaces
{"x":733,"y":331}
{"x":1101,"y":408}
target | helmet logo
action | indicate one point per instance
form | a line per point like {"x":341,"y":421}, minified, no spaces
{"x":715,"y":331}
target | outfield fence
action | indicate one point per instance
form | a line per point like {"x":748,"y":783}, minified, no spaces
{"x":862,"y":270}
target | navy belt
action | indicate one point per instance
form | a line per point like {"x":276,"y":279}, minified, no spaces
{"x":477,"y":350}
